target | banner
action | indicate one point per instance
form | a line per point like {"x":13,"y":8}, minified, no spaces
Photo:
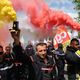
{"x":61,"y":36}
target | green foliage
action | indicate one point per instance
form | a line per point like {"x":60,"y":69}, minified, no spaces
{"x":77,"y":4}
{"x":77,"y":7}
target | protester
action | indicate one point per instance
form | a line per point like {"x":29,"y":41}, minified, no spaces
{"x":30,"y":49}
{"x":60,"y":61}
{"x":9,"y":60}
{"x":22,"y":57}
{"x":43,"y":64}
{"x":6,"y":67}
{"x":50,"y":48}
{"x":8,"y":53}
{"x":73,"y":59}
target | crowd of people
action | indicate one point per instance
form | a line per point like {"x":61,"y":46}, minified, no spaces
{"x":42,"y":62}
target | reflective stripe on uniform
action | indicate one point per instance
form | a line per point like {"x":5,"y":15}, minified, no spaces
{"x":48,"y":69}
{"x":8,"y":67}
{"x":77,"y":53}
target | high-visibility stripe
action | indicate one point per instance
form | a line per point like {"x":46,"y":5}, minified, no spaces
{"x":77,"y":53}
{"x":8,"y":67}
{"x":47,"y":69}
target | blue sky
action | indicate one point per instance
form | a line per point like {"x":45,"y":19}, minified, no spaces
{"x":65,"y":5}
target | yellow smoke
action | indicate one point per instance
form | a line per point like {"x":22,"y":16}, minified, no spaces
{"x":7,"y":12}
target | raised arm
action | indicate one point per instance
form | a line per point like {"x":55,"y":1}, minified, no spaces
{"x":20,"y":55}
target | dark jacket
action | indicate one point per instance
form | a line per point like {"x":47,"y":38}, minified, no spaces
{"x":6,"y":69}
{"x":60,"y":62}
{"x":70,"y":56}
{"x":60,"y":56}
{"x":41,"y":68}
{"x":73,"y":60}
{"x":22,"y":57}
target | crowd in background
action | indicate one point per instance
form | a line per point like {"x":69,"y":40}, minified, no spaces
{"x":39,"y":62}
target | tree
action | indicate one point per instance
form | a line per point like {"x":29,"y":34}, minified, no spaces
{"x":77,"y":7}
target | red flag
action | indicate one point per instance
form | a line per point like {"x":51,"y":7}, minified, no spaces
{"x":61,"y":36}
